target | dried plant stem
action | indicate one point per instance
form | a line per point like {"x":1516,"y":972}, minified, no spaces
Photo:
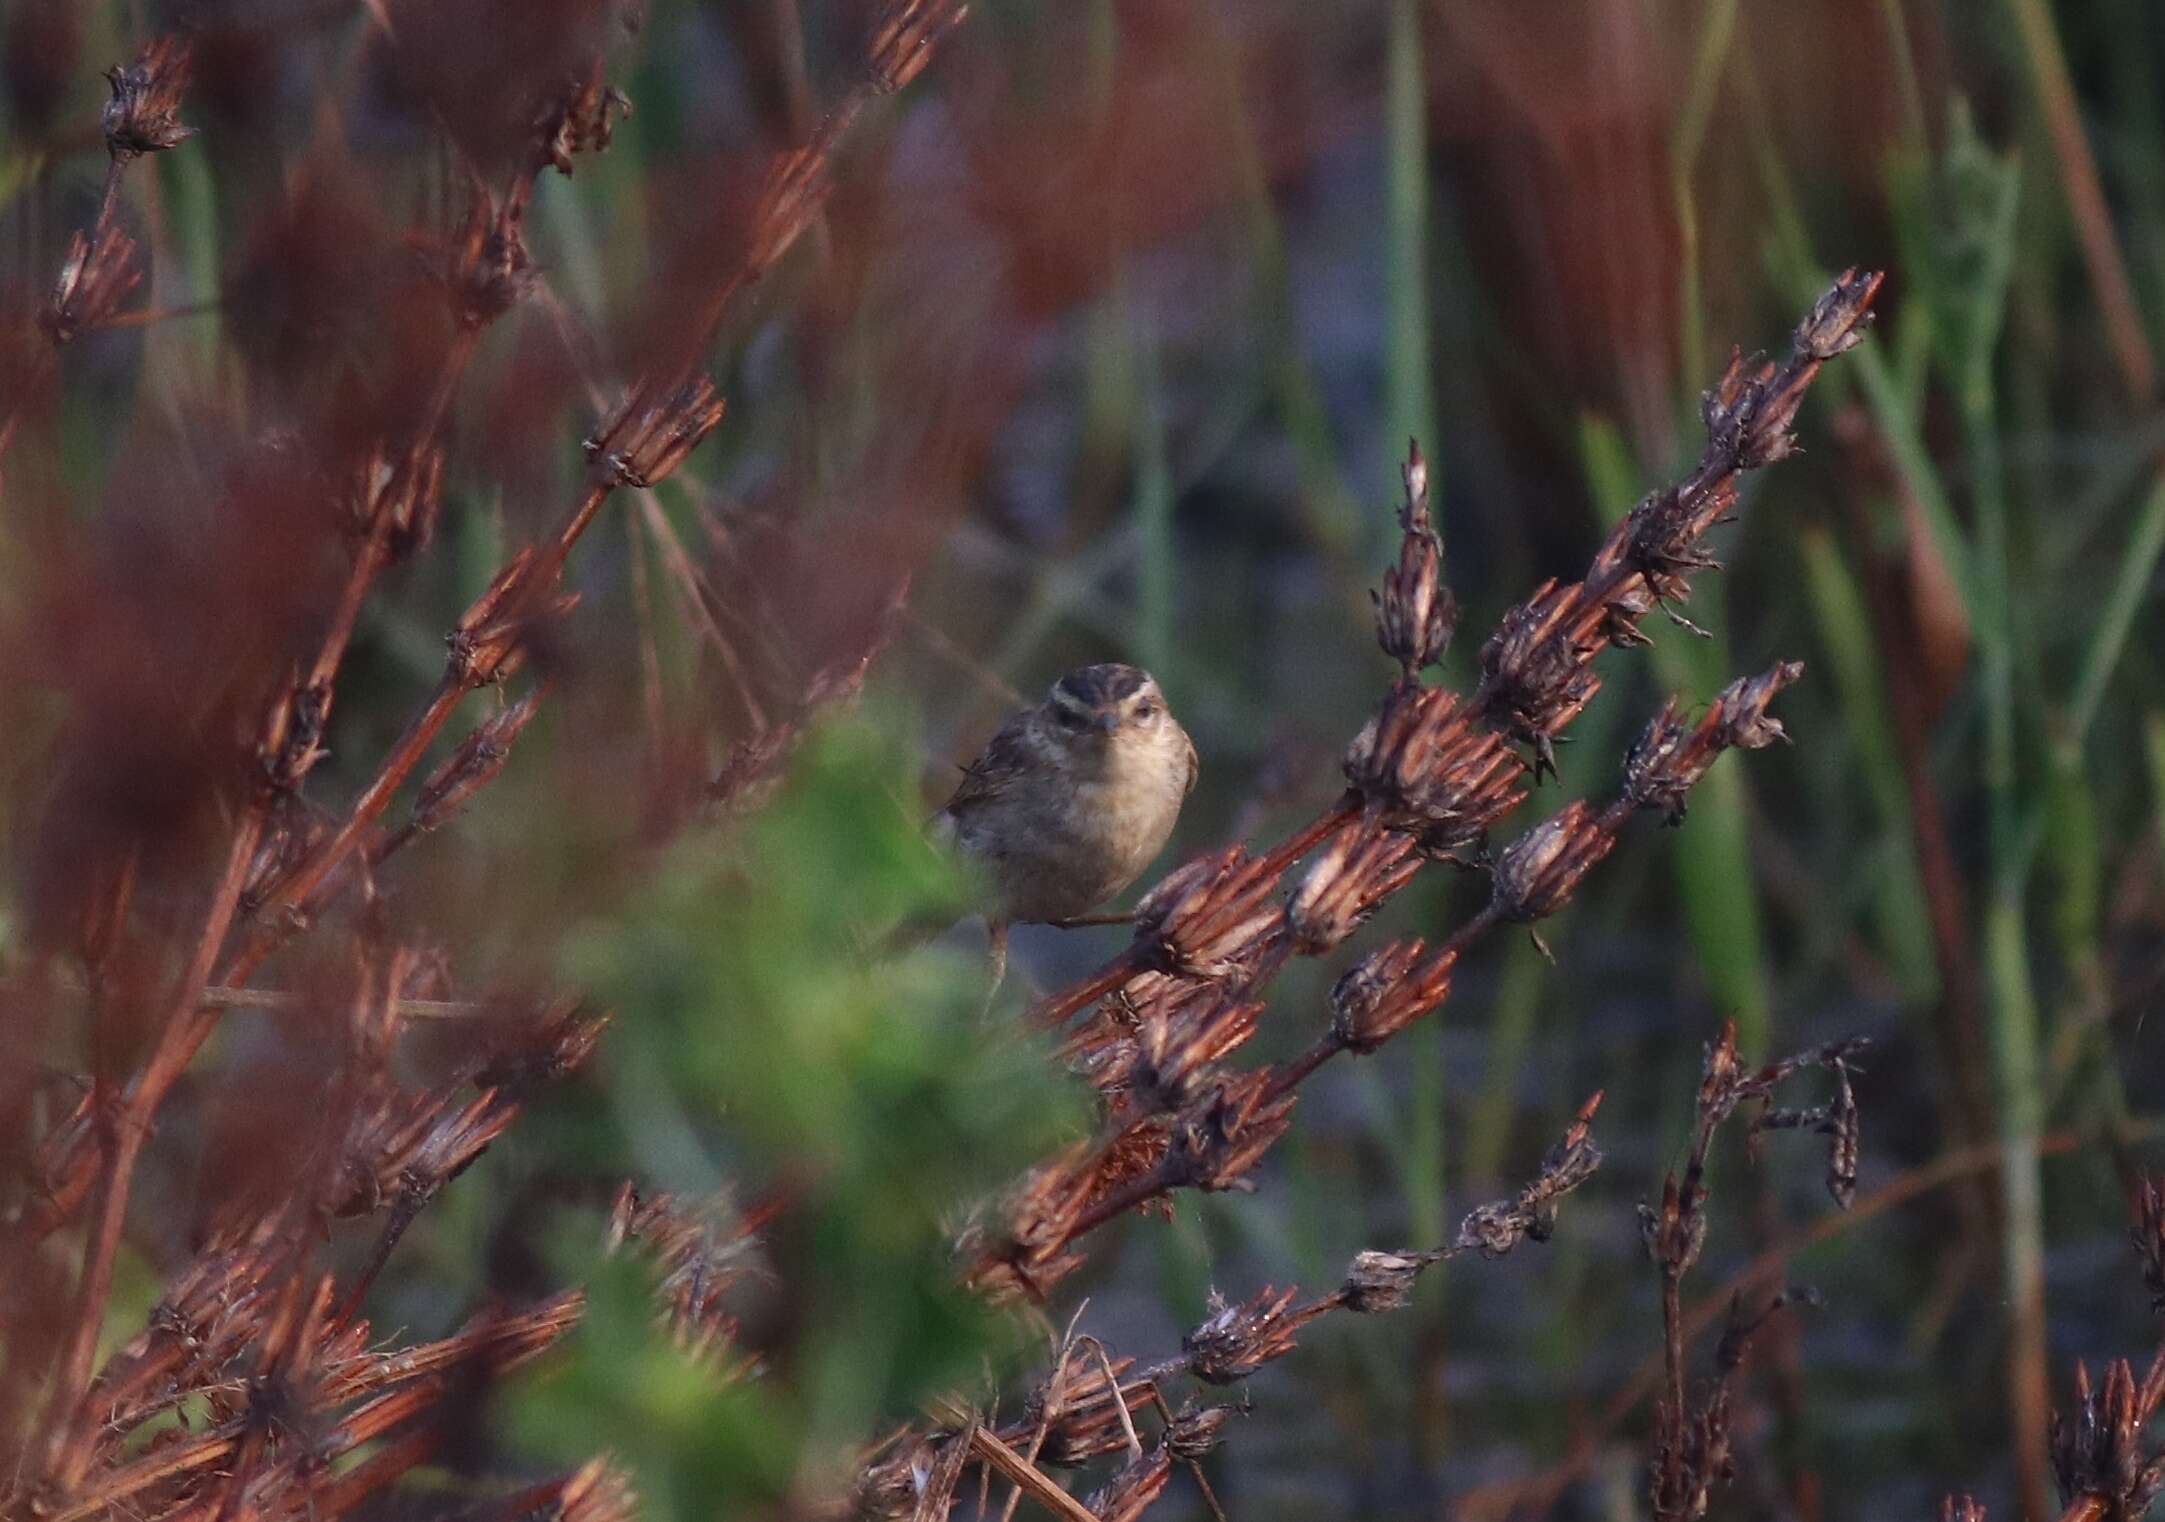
{"x":289,"y":903}
{"x":1026,"y":1476}
{"x":375,"y":549}
{"x":289,"y":751}
{"x":123,"y":1143}
{"x":1289,"y":1076}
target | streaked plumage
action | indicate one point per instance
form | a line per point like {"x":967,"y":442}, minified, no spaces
{"x":1070,"y":800}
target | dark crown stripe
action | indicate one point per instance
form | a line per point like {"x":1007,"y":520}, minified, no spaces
{"x":1097,"y":686}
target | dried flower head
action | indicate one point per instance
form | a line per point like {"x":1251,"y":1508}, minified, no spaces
{"x":1163,"y":1066}
{"x":1134,"y":1490}
{"x":2149,"y":1234}
{"x":1429,"y":766}
{"x":652,"y":430}
{"x":583,"y":119}
{"x":472,"y":765}
{"x":704,"y":1253}
{"x":1379,"y":1282}
{"x":1217,"y":1139}
{"x":97,"y":274}
{"x":1415,"y":611}
{"x":143,"y":115}
{"x":1496,"y":1228}
{"x":486,"y":268}
{"x":1386,"y":991}
{"x":1203,"y":919}
{"x":398,"y":497}
{"x":1671,"y":756}
{"x":2097,"y":1451}
{"x":1537,"y":873}
{"x":1536,"y":668}
{"x":1236,"y":1340}
{"x":1361,"y":868}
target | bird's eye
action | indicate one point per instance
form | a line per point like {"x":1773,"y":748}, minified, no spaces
{"x":1146,"y":711}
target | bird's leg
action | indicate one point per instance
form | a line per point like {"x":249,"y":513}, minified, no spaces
{"x":996,"y":959}
{"x":1080,"y":921}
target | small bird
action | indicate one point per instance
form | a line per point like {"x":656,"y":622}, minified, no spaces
{"x":1070,"y":800}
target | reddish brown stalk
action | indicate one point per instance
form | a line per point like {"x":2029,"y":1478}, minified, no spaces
{"x":1440,"y":770}
{"x":1072,"y":1418}
{"x":123,"y":1144}
{"x":1176,"y":1120}
{"x":645,"y":439}
{"x":288,"y":752}
{"x":638,"y":446}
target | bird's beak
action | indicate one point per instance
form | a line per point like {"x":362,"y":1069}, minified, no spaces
{"x":1107,"y":722}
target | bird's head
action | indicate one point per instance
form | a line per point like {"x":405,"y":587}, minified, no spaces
{"x":1109,"y":706}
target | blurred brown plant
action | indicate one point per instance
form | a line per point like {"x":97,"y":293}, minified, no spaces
{"x":338,"y":465}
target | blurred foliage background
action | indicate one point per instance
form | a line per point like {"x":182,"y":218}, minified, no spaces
{"x":1112,"y":337}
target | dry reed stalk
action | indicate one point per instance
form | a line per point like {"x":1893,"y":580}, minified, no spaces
{"x":1691,"y":1436}
{"x":1430,"y":777}
{"x":1074,"y":1417}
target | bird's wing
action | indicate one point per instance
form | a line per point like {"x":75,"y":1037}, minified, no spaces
{"x":1005,"y":757}
{"x":1194,"y":765}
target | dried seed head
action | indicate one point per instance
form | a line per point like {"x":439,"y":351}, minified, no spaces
{"x":1741,"y":1326}
{"x":1537,"y":669}
{"x":1209,"y":916}
{"x":1193,"y":1431}
{"x":1131,"y":1492}
{"x":1751,"y":410}
{"x":1040,"y":1218}
{"x":1363,"y":866}
{"x":1537,"y":873}
{"x":796,"y":189}
{"x":704,"y":1252}
{"x":651,"y":431}
{"x":471,"y":767}
{"x":1216,"y":1140}
{"x":1378,"y":1282}
{"x":1671,"y":756}
{"x":1962,"y":1508}
{"x":143,"y":115}
{"x":1662,"y":539}
{"x":489,"y":644}
{"x":546,"y":1050}
{"x":1496,"y":1228}
{"x":1078,"y":1406}
{"x":1845,"y":1141}
{"x":1415,"y":612}
{"x":95,"y":278}
{"x":1236,"y":1340}
{"x":1175,"y":1046}
{"x":1675,"y":1230}
{"x":2097,"y":1451}
{"x":1427,"y":765}
{"x":597,"y":1492}
{"x":1837,"y":320}
{"x":580,"y":120}
{"x":1385,"y":992}
{"x":487,"y":269}
{"x":406,"y":494}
